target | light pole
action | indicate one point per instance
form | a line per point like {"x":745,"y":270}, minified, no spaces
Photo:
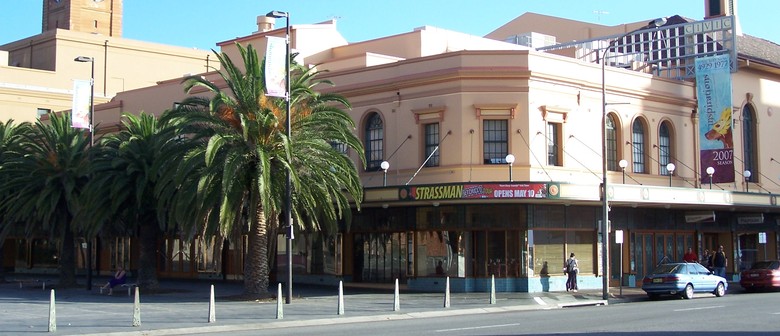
{"x":623,"y":164}
{"x":288,"y":196}
{"x":747,"y":174}
{"x":85,"y":59}
{"x":605,"y":201}
{"x":710,"y":171}
{"x":670,"y":167}
{"x":510,"y":159}
{"x":384,"y":165}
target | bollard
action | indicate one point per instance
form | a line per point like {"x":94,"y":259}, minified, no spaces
{"x":137,"y":309}
{"x":396,"y":298}
{"x":52,"y":313}
{"x":279,"y":303}
{"x":447,"y":293}
{"x":492,"y":289}
{"x":212,"y":307}
{"x":341,"y":298}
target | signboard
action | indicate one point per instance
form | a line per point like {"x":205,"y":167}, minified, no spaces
{"x":80,"y":109}
{"x":713,"y":88}
{"x":751,"y":219}
{"x":276,"y":67}
{"x":480,"y":191}
{"x":618,"y":236}
{"x":762,"y":237}
{"x":699,"y":216}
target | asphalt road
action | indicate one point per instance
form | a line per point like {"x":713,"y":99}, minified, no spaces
{"x":734,"y":314}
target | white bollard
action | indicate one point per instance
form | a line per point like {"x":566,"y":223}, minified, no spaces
{"x":212,"y":307}
{"x":279,"y":303}
{"x":137,"y":308}
{"x":341,"y":298}
{"x":396,"y":298}
{"x":52,"y":313}
{"x":447,"y":294}
{"x":492,"y":289}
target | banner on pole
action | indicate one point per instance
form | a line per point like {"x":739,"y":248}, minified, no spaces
{"x":276,"y":67}
{"x":713,"y":88}
{"x":80,"y":110}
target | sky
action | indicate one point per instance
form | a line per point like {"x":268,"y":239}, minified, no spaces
{"x":202,"y":24}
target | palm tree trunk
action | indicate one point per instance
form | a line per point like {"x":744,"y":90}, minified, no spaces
{"x":67,"y":260}
{"x":147,"y":259}
{"x":256,"y":262}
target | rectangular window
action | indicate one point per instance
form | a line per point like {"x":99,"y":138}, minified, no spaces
{"x":43,"y":112}
{"x":431,"y":144}
{"x":495,"y":145}
{"x":553,"y":144}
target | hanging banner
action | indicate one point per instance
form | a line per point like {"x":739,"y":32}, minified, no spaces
{"x":479,"y":191}
{"x":80,"y":109}
{"x":713,"y":88}
{"x":276,"y":67}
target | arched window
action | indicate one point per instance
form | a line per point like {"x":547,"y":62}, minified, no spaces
{"x":638,"y":146}
{"x":612,"y":153}
{"x":374,"y":142}
{"x":664,"y":147}
{"x":750,"y":147}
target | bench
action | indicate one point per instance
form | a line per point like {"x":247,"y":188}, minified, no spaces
{"x":34,"y":282}
{"x":129,"y":287}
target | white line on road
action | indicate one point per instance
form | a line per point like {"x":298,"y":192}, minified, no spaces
{"x":540,"y":301}
{"x":698,"y":308}
{"x":481,"y":327}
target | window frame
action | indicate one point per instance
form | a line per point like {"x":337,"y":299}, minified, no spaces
{"x":638,"y":142}
{"x":499,"y":138}
{"x":374,"y":141}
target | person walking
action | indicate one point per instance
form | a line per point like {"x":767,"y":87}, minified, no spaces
{"x":571,"y":270}
{"x":720,"y":262}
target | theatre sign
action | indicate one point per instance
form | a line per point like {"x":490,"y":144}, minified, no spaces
{"x":466,"y":191}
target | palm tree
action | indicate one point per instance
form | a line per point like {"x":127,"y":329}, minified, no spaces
{"x":247,"y":154}
{"x":10,"y":135}
{"x":46,"y":180}
{"x":125,"y":170}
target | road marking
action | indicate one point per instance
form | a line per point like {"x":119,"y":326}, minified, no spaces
{"x":778,"y":313}
{"x":540,"y":301}
{"x":481,"y":327}
{"x":698,"y":308}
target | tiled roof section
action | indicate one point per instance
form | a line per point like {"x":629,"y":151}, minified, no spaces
{"x":759,"y":50}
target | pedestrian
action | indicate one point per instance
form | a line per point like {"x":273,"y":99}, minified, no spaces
{"x":571,"y":270}
{"x":119,"y":278}
{"x":690,"y":256}
{"x":720,"y":262}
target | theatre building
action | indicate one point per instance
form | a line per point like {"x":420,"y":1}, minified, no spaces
{"x":491,"y":157}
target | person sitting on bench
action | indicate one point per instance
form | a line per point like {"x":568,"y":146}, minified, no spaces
{"x":120,"y":277}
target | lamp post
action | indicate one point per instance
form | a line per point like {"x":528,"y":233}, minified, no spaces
{"x":605,"y":201}
{"x":670,"y":167}
{"x":85,"y":59}
{"x":384,"y":165}
{"x":623,"y":164}
{"x":288,"y":196}
{"x":747,"y":174}
{"x":710,"y":171}
{"x":510,"y":159}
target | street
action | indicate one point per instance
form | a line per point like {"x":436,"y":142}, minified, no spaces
{"x":737,"y":313}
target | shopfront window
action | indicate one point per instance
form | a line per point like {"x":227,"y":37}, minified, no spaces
{"x":546,"y":248}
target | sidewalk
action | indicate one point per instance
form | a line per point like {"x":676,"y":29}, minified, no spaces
{"x":184,"y":307}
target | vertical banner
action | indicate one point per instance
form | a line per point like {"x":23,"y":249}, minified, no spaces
{"x":82,"y":93}
{"x":276,"y":67}
{"x":713,"y":88}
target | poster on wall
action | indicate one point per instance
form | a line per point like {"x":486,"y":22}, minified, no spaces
{"x":713,"y":88}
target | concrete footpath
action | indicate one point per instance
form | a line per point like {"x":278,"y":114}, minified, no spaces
{"x":182,"y":307}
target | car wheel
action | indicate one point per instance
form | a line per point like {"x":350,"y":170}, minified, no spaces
{"x":688,"y":292}
{"x":720,"y":290}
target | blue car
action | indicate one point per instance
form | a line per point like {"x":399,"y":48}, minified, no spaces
{"x":683,"y":279}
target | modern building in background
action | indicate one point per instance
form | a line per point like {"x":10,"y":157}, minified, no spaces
{"x":485,"y":155}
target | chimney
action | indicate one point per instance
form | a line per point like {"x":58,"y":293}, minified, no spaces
{"x":265,"y":23}
{"x":716,"y":8}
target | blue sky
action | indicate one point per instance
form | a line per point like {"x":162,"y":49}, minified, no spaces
{"x":203,"y":23}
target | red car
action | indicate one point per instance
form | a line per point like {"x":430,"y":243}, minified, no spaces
{"x":763,"y":275}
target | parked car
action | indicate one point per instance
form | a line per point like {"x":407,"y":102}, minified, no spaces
{"x":762,"y":275}
{"x":683,"y":279}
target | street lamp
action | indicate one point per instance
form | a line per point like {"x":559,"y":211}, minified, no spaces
{"x":384,"y":165}
{"x":288,"y":208}
{"x":605,"y":202}
{"x":510,"y":159}
{"x":710,"y":171}
{"x":670,"y":167}
{"x":85,"y":59}
{"x":623,"y":164}
{"x":747,"y":174}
